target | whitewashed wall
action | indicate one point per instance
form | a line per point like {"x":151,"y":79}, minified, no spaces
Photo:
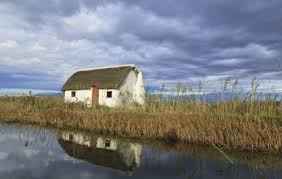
{"x":129,"y":82}
{"x":110,"y":102}
{"x":139,"y":92}
{"x":134,"y":85}
{"x":86,"y":97}
{"x":80,"y":96}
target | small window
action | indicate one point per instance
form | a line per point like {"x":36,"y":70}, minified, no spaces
{"x":109,"y":94}
{"x":73,"y":94}
{"x":107,"y":143}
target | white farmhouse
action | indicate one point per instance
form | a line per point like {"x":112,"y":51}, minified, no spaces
{"x":107,"y":86}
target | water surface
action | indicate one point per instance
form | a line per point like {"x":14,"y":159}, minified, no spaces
{"x":30,"y":152}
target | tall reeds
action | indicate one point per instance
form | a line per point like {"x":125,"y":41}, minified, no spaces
{"x":252,"y":123}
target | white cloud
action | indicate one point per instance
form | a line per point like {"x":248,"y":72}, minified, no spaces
{"x":101,"y":21}
{"x":19,"y":62}
{"x":37,"y":47}
{"x":251,"y":50}
{"x":8,"y":44}
{"x":180,"y":46}
{"x":228,"y":62}
{"x":270,"y":75}
{"x":3,"y":155}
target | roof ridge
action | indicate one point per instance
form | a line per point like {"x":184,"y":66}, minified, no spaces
{"x":107,"y":78}
{"x":107,"y":67}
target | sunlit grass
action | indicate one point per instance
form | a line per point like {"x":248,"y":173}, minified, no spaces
{"x":251,"y":124}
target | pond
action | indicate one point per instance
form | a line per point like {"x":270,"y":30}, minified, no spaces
{"x":31,"y":152}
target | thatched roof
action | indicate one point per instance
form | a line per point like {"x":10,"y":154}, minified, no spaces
{"x":103,"y":78}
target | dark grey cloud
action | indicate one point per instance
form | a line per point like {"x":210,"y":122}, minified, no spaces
{"x":171,"y":41}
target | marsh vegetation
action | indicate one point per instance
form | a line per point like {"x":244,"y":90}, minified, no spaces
{"x":250,"y":124}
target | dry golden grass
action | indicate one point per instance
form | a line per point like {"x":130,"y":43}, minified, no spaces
{"x":249,"y":125}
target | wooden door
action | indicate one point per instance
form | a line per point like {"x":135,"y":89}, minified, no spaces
{"x":93,"y":142}
{"x":95,"y":95}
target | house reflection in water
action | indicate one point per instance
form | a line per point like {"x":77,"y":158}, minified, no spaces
{"x":107,"y":152}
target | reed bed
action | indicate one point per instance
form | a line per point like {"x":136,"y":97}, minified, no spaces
{"x":235,"y":124}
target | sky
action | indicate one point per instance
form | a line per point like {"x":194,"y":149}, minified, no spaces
{"x":43,"y":42}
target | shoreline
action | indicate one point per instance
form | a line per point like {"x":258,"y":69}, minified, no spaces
{"x":262,"y":160}
{"x":244,"y":132}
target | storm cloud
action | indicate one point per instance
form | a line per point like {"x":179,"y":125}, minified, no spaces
{"x":43,"y":42}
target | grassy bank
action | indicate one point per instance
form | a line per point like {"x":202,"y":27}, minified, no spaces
{"x":242,"y":125}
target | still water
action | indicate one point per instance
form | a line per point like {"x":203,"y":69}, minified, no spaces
{"x":30,"y":152}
